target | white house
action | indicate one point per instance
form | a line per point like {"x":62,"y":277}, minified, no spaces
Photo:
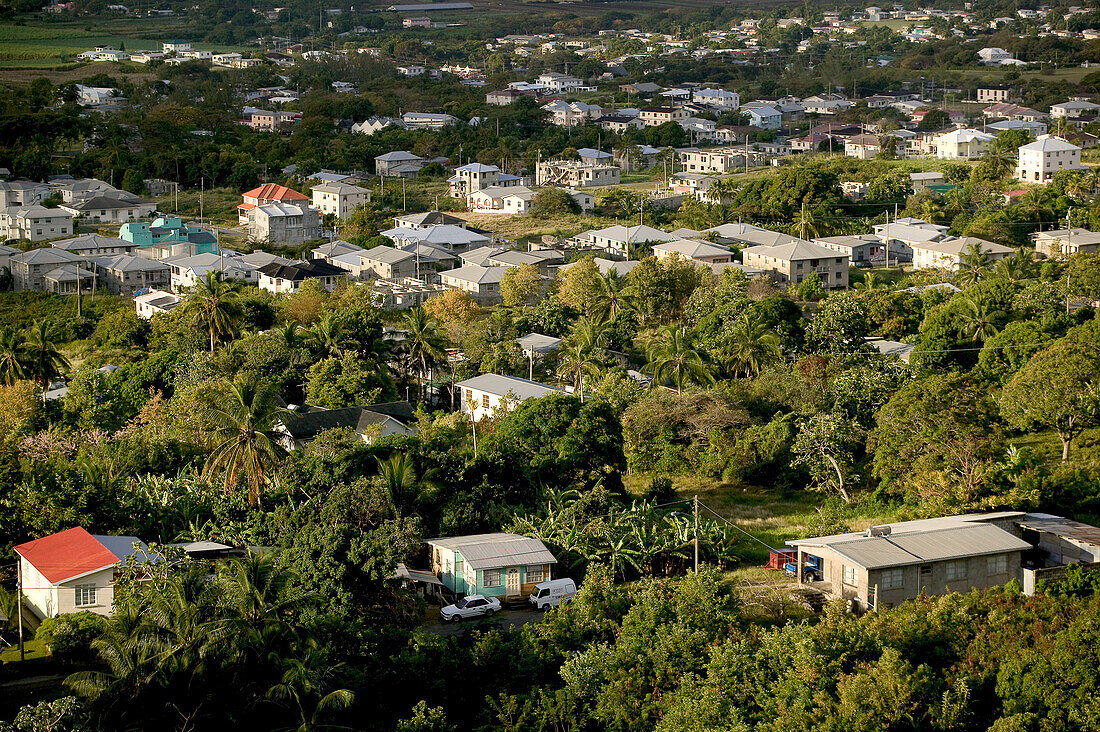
{"x":620,"y":240}
{"x":154,"y":302}
{"x":1040,"y":160}
{"x":72,"y":571}
{"x":483,"y":395}
{"x":700,"y":252}
{"x":949,"y":253}
{"x":482,"y":283}
{"x":719,"y":98}
{"x":965,"y":144}
{"x":339,"y":199}
{"x":34,"y":223}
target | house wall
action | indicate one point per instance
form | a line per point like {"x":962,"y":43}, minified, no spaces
{"x":833,"y":271}
{"x":482,"y":404}
{"x":48,"y":600}
{"x":930,"y":578}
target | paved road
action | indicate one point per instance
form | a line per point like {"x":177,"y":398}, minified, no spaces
{"x":508,"y":619}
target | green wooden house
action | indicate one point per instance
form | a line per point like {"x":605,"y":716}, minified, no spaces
{"x":507,"y":566}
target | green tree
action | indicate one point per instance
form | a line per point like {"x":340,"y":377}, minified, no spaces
{"x":826,"y":445}
{"x":520,"y":285}
{"x":211,"y":306}
{"x":245,"y":444}
{"x":613,"y":297}
{"x":44,"y":357}
{"x":13,"y":357}
{"x":750,"y":345}
{"x":552,"y":203}
{"x":1058,"y":388}
{"x":423,"y":347}
{"x":672,"y":356}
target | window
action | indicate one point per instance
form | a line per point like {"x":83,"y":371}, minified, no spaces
{"x":997,"y":564}
{"x":534,"y":573}
{"x":892,"y":578}
{"x":849,"y":575}
{"x":85,"y":595}
{"x":956,"y":570}
{"x":485,"y":401}
{"x":491,"y":578}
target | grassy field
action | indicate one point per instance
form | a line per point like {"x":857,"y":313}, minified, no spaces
{"x":54,"y":43}
{"x":34,"y":649}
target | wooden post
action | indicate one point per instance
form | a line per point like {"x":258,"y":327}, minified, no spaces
{"x":876,"y":597}
{"x":696,"y":502}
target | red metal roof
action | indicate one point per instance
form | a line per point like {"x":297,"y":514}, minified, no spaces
{"x":67,"y":554}
{"x":275,"y":192}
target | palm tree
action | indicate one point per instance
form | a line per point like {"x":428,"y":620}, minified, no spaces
{"x":405,"y":489}
{"x":13,"y":357}
{"x":243,"y":432}
{"x":424,"y":344}
{"x":580,"y":358}
{"x":44,"y":359}
{"x":327,"y":336}
{"x":1020,"y":266}
{"x":807,"y":224}
{"x":980,"y":321}
{"x":722,"y":190}
{"x":1001,"y":157}
{"x":211,"y":306}
{"x":302,"y":687}
{"x":870,"y":282}
{"x":613,"y":297}
{"x":672,"y":357}
{"x":751,"y":345}
{"x":974,"y":264}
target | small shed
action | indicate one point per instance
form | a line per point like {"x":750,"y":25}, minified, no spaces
{"x":507,"y":566}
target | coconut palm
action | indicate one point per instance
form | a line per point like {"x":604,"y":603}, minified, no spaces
{"x":672,"y":357}
{"x":212,"y":307}
{"x":424,"y":345}
{"x":44,"y":358}
{"x":807,"y":225}
{"x":1017,"y":268}
{"x":981,"y":321}
{"x":246,"y":446}
{"x":613,"y":297}
{"x":722,"y":190}
{"x":751,"y":345}
{"x":301,"y":686}
{"x":974,"y":264}
{"x":327,"y":336}
{"x":1001,"y":158}
{"x":580,"y":357}
{"x":405,"y":489}
{"x":13,"y":357}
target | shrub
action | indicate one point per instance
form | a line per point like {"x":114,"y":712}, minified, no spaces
{"x":70,"y":635}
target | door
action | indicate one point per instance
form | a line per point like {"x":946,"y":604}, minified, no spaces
{"x":513,"y":581}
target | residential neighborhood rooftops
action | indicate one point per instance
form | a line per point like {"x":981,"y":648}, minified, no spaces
{"x":295,"y":271}
{"x":539,"y":343}
{"x":488,"y":551}
{"x":275,"y":192}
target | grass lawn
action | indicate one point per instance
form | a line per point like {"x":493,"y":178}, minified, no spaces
{"x":34,"y":649}
{"x":218,"y":205}
{"x":515,"y":226}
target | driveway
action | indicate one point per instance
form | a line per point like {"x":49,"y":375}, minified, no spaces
{"x":506,"y":619}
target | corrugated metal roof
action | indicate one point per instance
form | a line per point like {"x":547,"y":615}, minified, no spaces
{"x":1063,"y":527}
{"x":966,"y":539}
{"x":489,"y":551}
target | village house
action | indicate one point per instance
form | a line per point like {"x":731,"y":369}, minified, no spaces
{"x":399,"y":164}
{"x":95,"y":245}
{"x":763,"y":116}
{"x":948,"y":253}
{"x":481,"y":283}
{"x":700,"y":252}
{"x":187,"y":271}
{"x":505,"y":566}
{"x":110,"y":209}
{"x":501,"y":199}
{"x":283,"y":224}
{"x":444,"y":236}
{"x":29,"y":269}
{"x":381,"y":262}
{"x":655,"y":116}
{"x":964,"y":144}
{"x":302,"y":423}
{"x":34,"y":223}
{"x":1066,"y":242}
{"x":72,"y":571}
{"x":279,"y":278}
{"x":265,"y":194}
{"x":427,"y":219}
{"x":428,"y":120}
{"x":155,"y":302}
{"x":168,"y":236}
{"x":339,"y":199}
{"x":1039,"y":161}
{"x":482,"y":396}
{"x":128,"y":274}
{"x":858,"y":247}
{"x":620,"y":241}
{"x":795,"y":260}
{"x":888,"y":564}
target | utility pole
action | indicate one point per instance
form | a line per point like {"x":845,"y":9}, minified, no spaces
{"x":1069,"y":241}
{"x":696,"y":504}
{"x":803,"y":231}
{"x":19,"y":605}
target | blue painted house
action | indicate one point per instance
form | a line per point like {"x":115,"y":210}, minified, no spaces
{"x":168,"y":236}
{"x":507,"y":566}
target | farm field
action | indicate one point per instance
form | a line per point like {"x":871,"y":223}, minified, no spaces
{"x":50,"y":44}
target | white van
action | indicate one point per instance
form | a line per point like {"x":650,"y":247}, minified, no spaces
{"x":552,"y":592}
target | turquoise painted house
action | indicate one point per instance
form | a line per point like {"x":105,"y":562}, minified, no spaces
{"x":507,"y":566}
{"x":168,"y":236}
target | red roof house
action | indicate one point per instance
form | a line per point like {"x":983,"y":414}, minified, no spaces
{"x":265,"y":194}
{"x":72,"y":570}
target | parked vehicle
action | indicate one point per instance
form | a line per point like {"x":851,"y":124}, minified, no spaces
{"x":552,"y":593}
{"x":811,"y":568}
{"x":471,"y":606}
